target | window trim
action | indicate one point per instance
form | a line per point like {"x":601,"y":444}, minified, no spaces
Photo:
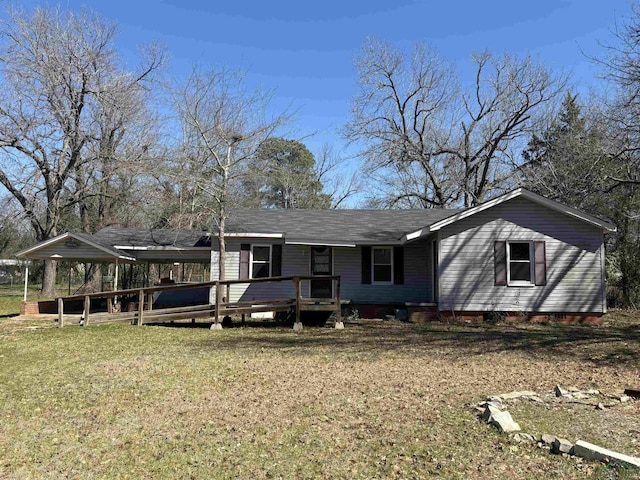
{"x":373,"y":266}
{"x":270,"y":262}
{"x":521,"y":283}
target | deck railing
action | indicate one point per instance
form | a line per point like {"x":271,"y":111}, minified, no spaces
{"x":222,"y":305}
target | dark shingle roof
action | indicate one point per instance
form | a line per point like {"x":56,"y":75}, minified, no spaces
{"x":144,"y":237}
{"x":336,"y":226}
{"x":297,"y":225}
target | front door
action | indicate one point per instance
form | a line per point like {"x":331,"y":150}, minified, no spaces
{"x":321,"y":264}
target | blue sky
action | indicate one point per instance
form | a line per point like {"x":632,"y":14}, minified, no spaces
{"x":304,"y":51}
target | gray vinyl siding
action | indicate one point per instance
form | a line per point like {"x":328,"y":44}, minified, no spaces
{"x":346,"y":263}
{"x":295,"y":261}
{"x":574,"y":253}
{"x":417,"y":277}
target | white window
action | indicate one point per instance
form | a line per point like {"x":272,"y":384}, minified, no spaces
{"x":260,"y":261}
{"x":382,"y":264}
{"x":520,"y":263}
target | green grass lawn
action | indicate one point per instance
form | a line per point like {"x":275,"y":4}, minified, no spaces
{"x":9,"y":302}
{"x":376,"y":400}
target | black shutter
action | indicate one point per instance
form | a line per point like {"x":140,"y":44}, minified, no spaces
{"x":398,"y":265}
{"x":276,"y":260}
{"x":366,"y":265}
{"x":500,"y":259}
{"x":540,"y":256}
{"x":245,"y":250}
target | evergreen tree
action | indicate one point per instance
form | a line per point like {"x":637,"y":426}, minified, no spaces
{"x":283,"y":175}
{"x":567,"y":162}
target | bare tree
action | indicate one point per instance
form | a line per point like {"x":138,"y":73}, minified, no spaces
{"x":223,"y":124}
{"x":53,"y":67}
{"x":398,"y":112}
{"x":444,"y":144}
{"x":621,"y":66}
{"x":339,"y":184}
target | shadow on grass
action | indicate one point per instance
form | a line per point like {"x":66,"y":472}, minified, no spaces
{"x":599,"y":345}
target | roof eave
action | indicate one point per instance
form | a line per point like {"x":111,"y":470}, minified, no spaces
{"x":58,"y":238}
{"x":521,"y":192}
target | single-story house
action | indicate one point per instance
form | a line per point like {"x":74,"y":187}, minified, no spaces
{"x":519,"y":252}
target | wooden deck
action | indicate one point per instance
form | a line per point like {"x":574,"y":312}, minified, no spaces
{"x":143,"y":311}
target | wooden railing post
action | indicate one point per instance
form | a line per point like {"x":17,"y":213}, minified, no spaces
{"x":60,"y":313}
{"x":87,"y":306}
{"x":298,"y":324}
{"x":109,"y":304}
{"x":216,"y":325}
{"x":339,"y":323}
{"x":150,"y":301}
{"x":140,"y":306}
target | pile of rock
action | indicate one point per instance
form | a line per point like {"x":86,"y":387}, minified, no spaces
{"x":493,"y":411}
{"x":501,"y":419}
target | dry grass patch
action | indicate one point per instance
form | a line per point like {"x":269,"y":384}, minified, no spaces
{"x":377,"y":400}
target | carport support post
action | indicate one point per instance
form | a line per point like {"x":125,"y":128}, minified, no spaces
{"x":26,"y":279}
{"x":216,"y":325}
{"x":115,"y":283}
{"x":298,"y":324}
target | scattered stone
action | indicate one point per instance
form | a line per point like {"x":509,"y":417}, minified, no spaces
{"x":548,"y":439}
{"x":515,"y":395}
{"x":339,"y":326}
{"x":524,"y":437}
{"x":216,"y":326}
{"x":592,"y":391}
{"x":535,"y":398}
{"x":494,"y":398}
{"x":588,"y":451}
{"x":624,"y":398}
{"x":581,"y":395}
{"x":560,"y":392}
{"x":489,"y":412}
{"x":504,"y":422}
{"x":600,"y":406}
{"x":574,"y":389}
{"x":560,"y":445}
{"x":297,"y":326}
{"x":497,"y":405}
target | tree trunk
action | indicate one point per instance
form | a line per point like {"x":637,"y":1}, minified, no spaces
{"x":222,"y":270}
{"x":92,"y":278}
{"x":49,"y":279}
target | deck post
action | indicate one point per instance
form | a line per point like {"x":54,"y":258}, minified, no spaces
{"x":150,"y":301}
{"x":216,"y":325}
{"x":228,"y":295}
{"x":140,"y":306}
{"x":60,"y":312}
{"x":87,"y":306}
{"x":339,"y":324}
{"x":298,"y":324}
{"x":109,"y":304}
